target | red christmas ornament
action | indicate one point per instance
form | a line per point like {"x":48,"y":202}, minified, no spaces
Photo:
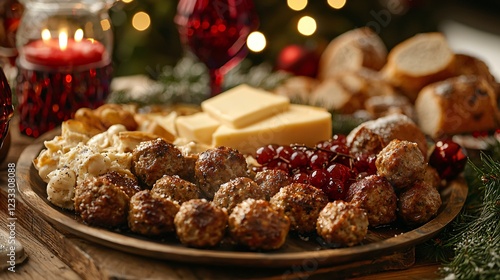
{"x":298,"y":60}
{"x":448,"y":158}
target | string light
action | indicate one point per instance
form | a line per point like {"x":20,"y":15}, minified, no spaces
{"x":141,"y":21}
{"x":297,"y":5}
{"x":306,"y":25}
{"x":256,"y":41}
{"x":336,"y":4}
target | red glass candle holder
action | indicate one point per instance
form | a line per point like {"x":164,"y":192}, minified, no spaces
{"x":64,"y":61}
{"x":6,"y":109}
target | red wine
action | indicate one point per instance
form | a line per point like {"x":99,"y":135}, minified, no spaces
{"x":216,"y":31}
{"x":47,"y":98}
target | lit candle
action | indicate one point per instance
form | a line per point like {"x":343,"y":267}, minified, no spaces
{"x":64,"y":51}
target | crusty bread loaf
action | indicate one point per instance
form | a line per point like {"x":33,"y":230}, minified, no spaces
{"x":462,"y":104}
{"x":351,"y":51}
{"x":372,"y":136}
{"x":347,"y":92}
{"x":470,"y":65}
{"x":418,"y":61}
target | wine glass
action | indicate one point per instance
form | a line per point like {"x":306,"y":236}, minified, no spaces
{"x":216,"y":32}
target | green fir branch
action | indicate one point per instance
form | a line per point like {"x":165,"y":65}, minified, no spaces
{"x":474,"y":236}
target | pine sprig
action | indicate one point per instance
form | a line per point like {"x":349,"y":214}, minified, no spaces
{"x":475,"y":234}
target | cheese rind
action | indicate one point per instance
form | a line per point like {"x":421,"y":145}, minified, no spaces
{"x":300,"y":124}
{"x":198,"y":127}
{"x":244,"y":105}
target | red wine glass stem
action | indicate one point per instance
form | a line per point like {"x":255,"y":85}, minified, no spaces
{"x":216,"y":78}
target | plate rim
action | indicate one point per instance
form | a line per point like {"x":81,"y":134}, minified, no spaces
{"x":457,"y":196}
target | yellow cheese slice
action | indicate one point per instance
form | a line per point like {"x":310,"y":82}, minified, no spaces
{"x":300,"y":124}
{"x":244,"y":105}
{"x":198,"y":127}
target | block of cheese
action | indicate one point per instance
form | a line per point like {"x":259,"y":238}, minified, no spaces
{"x":300,"y":124}
{"x":198,"y":127}
{"x":244,"y":105}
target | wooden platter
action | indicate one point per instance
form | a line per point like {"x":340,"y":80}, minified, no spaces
{"x":296,"y":251}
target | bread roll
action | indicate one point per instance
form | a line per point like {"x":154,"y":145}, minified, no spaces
{"x":457,"y":105}
{"x":372,"y":136}
{"x":346,"y":93}
{"x":351,"y":51}
{"x":470,"y":65}
{"x":418,"y":61}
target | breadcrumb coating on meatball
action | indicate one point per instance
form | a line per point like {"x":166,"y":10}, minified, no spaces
{"x":235,"y":191}
{"x":151,"y":215}
{"x":302,"y":204}
{"x":342,"y":223}
{"x":175,"y":188}
{"x":256,"y":225}
{"x":401,"y":162}
{"x":200,"y":223}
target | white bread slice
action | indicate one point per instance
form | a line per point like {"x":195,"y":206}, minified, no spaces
{"x":418,"y":61}
{"x":462,"y":104}
{"x":351,"y":51}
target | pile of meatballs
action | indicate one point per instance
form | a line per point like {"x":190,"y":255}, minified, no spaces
{"x":213,"y":196}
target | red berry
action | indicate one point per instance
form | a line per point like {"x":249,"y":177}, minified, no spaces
{"x":448,"y":158}
{"x":319,"y":178}
{"x":265,"y":154}
{"x":341,"y":154}
{"x":335,"y":190}
{"x":301,"y":177}
{"x":339,"y":172}
{"x":284,"y":152}
{"x":298,"y":159}
{"x":365,"y":164}
{"x":319,"y":160}
{"x":278,"y":164}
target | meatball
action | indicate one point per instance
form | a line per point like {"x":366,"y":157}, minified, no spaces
{"x":199,"y":223}
{"x":255,"y":224}
{"x":101,"y":203}
{"x":235,"y":191}
{"x":431,"y":176}
{"x":375,"y":195}
{"x":342,"y":223}
{"x":153,"y":159}
{"x":401,"y":162}
{"x":302,"y":204}
{"x":419,"y":203}
{"x":217,"y":166}
{"x":175,"y":188}
{"x":126,"y":181}
{"x":151,"y":215}
{"x":272,"y":180}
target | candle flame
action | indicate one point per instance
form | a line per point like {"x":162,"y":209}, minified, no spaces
{"x":63,"y":40}
{"x":45,"y":35}
{"x":78,"y":35}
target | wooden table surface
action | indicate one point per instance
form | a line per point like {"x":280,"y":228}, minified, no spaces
{"x":57,"y":255}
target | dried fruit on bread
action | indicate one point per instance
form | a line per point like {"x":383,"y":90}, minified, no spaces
{"x":352,"y":50}
{"x":457,"y":105}
{"x":418,"y":61}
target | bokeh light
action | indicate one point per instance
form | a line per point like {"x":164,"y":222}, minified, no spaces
{"x":336,"y":4}
{"x":297,"y":5}
{"x":141,"y":21}
{"x":307,"y":25}
{"x":256,"y":41}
